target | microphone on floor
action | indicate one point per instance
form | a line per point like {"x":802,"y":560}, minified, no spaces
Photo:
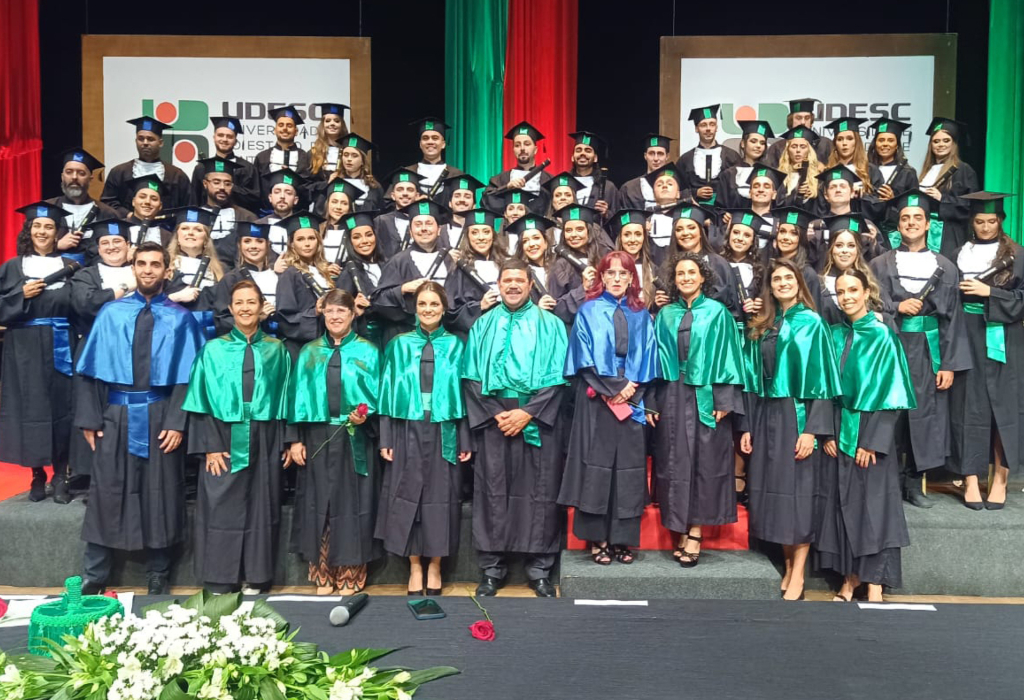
{"x":342,"y":614}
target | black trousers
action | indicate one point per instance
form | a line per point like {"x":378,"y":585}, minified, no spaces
{"x":98,"y":560}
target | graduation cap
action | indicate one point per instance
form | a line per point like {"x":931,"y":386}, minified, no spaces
{"x":514,"y":196}
{"x":149,"y":124}
{"x":794,"y":216}
{"x":344,"y":186}
{"x":987,"y":203}
{"x":852,"y":222}
{"x":403,"y":175}
{"x":110,"y":227}
{"x":427,"y":207}
{"x":524,"y":128}
{"x":889,"y":126}
{"x":331,"y":108}
{"x":802,"y":104}
{"x":233,"y":123}
{"x":191,"y":215}
{"x":430,"y":124}
{"x":284,"y":176}
{"x":529,"y":222}
{"x":669,"y":170}
{"x":357,"y":219}
{"x":951,"y":126}
{"x":481,"y":217}
{"x":462,"y":182}
{"x":43,"y":210}
{"x":290,"y":111}
{"x":754,"y":126}
{"x":699,"y":114}
{"x":564,"y":179}
{"x":625,"y":217}
{"x":838,"y":172}
{"x":657,"y":141}
{"x":837,"y":126}
{"x":776,"y":176}
{"x":251,"y":229}
{"x":578,"y":212}
{"x":802,"y":132}
{"x":354,"y":140}
{"x":746,"y":217}
{"x":587,"y":138}
{"x":300,"y":221}
{"x":692,"y":212}
{"x":146,"y":182}
{"x":219,"y":165}
{"x":915,"y":198}
{"x":80,"y":155}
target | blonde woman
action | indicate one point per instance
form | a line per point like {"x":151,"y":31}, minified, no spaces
{"x":800,"y":164}
{"x":306,"y":278}
{"x":947,"y":178}
{"x":325,"y":155}
{"x":195,"y":267}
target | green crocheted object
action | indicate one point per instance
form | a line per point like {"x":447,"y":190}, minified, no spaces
{"x":68,"y":616}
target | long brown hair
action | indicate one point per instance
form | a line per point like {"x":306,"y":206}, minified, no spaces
{"x":645,"y":264}
{"x":318,"y":153}
{"x":859,"y":161}
{"x":215,"y":268}
{"x":765,"y":319}
{"x":293,"y":259}
{"x":953,"y":159}
{"x":860,"y":265}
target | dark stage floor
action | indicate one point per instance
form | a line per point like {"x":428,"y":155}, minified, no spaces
{"x":704,"y":649}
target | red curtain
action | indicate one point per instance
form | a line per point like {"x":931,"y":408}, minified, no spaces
{"x":540,"y":75}
{"x":21,"y":141}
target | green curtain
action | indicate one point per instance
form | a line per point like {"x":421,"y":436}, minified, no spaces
{"x":474,"y":70}
{"x":1004,"y":143}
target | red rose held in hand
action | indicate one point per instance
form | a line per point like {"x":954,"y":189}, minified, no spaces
{"x":591,"y":394}
{"x":482,"y":630}
{"x":362,"y":409}
{"x":3,"y":607}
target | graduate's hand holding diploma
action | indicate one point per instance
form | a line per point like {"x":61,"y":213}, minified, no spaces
{"x":589,"y":275}
{"x":490,"y":300}
{"x":547,"y":302}
{"x":185,"y":296}
{"x":910,"y":307}
{"x":69,"y":240}
{"x":334,"y":269}
{"x":32,"y":289}
{"x":280,"y":265}
{"x":975,"y":288}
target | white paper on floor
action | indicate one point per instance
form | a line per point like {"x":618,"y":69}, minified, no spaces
{"x":896,"y":606}
{"x":587,"y":601}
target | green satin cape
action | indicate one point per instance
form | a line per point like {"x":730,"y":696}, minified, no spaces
{"x":805,"y":363}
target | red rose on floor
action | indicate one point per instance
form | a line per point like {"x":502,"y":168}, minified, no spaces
{"x":3,"y":607}
{"x":362,"y":409}
{"x":482,"y":630}
{"x":110,"y":594}
{"x":591,"y":394}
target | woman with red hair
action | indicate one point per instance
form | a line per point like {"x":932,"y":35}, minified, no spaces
{"x":612,"y":358}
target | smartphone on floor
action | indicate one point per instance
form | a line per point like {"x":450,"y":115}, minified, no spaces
{"x":426,"y":609}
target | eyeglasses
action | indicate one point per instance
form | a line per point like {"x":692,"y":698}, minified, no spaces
{"x":616,"y":274}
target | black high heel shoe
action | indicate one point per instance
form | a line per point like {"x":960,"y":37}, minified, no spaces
{"x":422,"y":587}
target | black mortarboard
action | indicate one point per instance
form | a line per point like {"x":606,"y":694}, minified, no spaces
{"x":218,"y":165}
{"x":987,"y":203}
{"x":838,"y":172}
{"x":284,"y":176}
{"x":299,"y":221}
{"x":668,"y":169}
{"x":151,"y":182}
{"x":357,"y":219}
{"x":802,"y":104}
{"x":657,"y":141}
{"x":802,"y":132}
{"x":889,"y":126}
{"x":462,"y":182}
{"x":430,"y":124}
{"x":776,"y":176}
{"x":754,"y":126}
{"x":794,"y":216}
{"x":233,"y":123}
{"x":148,"y":124}
{"x":43,"y":210}
{"x":80,"y":155}
{"x":587,"y":138}
{"x":699,"y":114}
{"x":524,"y":128}
{"x":915,"y":198}
{"x":693,"y":212}
{"x":578,"y":212}
{"x":427,"y":207}
{"x":331,"y":108}
{"x":290,"y":111}
{"x":951,"y":126}
{"x":481,"y":217}
{"x":354,"y":140}
{"x":747,"y":217}
{"x":110,"y":227}
{"x":625,"y":217}
{"x":342,"y":185}
{"x":837,"y":126}
{"x":191,"y":215}
{"x":518,"y":197}
{"x":530,"y":222}
{"x":563,"y":180}
{"x":251,"y":229}
{"x":403,"y":175}
{"x":852,"y":222}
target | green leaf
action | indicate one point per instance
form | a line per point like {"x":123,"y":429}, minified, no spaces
{"x":315,"y":693}
{"x":175,"y":690}
{"x":160,"y":607}
{"x":432,"y":674}
{"x":61,"y":694}
{"x":359,"y":657}
{"x":217,"y":606}
{"x":262,"y":609}
{"x":198,"y":601}
{"x":270,"y":691}
{"x":31,"y":662}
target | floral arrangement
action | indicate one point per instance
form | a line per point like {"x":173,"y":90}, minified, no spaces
{"x":207,"y":648}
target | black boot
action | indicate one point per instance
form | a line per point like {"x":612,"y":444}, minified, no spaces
{"x":61,"y":489}
{"x":157,"y":583}
{"x":38,"y":490}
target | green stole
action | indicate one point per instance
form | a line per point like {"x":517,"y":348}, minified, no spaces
{"x":360,"y":371}
{"x":215,"y":386}
{"x":400,"y":392}
{"x":934,"y":240}
{"x":929,"y":325}
{"x":805,"y":364}
{"x":995,"y":333}
{"x":714,"y":356}
{"x":874,"y":378}
{"x":515,"y":354}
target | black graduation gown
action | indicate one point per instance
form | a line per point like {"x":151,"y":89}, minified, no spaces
{"x":728,"y":191}
{"x":822,"y":149}
{"x":356,"y":279}
{"x":442,"y":196}
{"x":782,"y":489}
{"x":693,"y":180}
{"x":496,"y":202}
{"x":419,"y":511}
{"x":117,"y":192}
{"x":328,"y":491}
{"x":225,"y":241}
{"x":955,"y":211}
{"x":389,"y":238}
{"x":565,"y":285}
{"x":297,"y":320}
{"x":300,"y":162}
{"x":926,"y":439}
{"x":693,"y":464}
{"x":991,"y":392}
{"x":134,"y":503}
{"x":904,"y":178}
{"x":245,"y":190}
{"x":138,"y":235}
{"x":87,"y":246}
{"x":631,"y":196}
{"x":238,"y":514}
{"x":605,"y":476}
{"x":610,"y":195}
{"x":515,"y":485}
{"x":860,"y":525}
{"x":35,"y":398}
{"x":464,"y":295}
{"x":219,"y":300}
{"x":398,"y":310}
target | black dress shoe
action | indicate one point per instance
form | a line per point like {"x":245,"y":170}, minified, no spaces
{"x":989,"y":505}
{"x":916,"y":497}
{"x":37,"y":491}
{"x":433,"y":591}
{"x":61,"y":492}
{"x":974,"y":505}
{"x":419,"y":592}
{"x":157,"y":583}
{"x":543,"y":588}
{"x":92,"y":588}
{"x":489,"y":586}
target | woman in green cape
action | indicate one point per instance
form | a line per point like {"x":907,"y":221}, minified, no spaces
{"x":702,"y":369}
{"x":333,"y":391}
{"x":862,"y":527}
{"x":236,"y":394}
{"x":792,"y":378}
{"x":423,"y":440}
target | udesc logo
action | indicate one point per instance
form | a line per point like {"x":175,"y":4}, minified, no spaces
{"x":184,"y":144}
{"x":775,"y":113}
